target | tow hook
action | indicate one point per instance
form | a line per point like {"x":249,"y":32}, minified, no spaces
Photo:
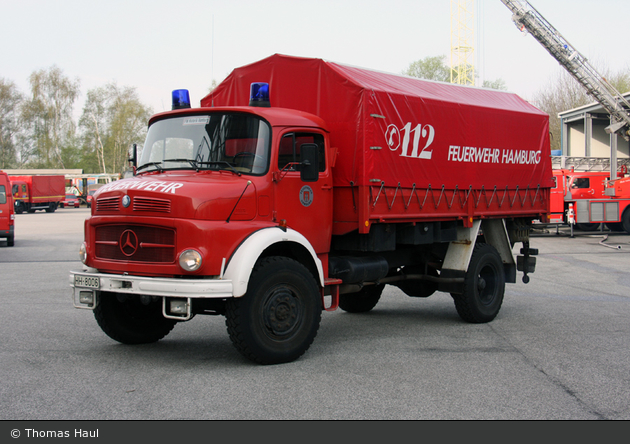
{"x":526,"y":263}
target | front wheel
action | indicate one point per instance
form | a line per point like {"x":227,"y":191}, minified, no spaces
{"x":277,"y":319}
{"x":130,"y":320}
{"x":484,"y":286}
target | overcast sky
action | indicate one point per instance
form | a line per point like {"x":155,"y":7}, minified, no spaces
{"x":161,"y":45}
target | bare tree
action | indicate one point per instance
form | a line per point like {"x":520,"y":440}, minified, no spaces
{"x":47,"y":115}
{"x":563,"y":93}
{"x":113,"y":118}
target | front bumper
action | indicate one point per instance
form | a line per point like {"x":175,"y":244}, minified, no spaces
{"x":87,"y":284}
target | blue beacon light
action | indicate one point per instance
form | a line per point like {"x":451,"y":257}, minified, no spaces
{"x":181,"y":99}
{"x":259,"y":94}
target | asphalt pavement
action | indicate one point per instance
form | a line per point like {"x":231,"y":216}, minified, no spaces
{"x":558,"y":349}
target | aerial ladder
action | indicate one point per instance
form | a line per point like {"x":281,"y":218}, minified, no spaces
{"x":527,"y":18}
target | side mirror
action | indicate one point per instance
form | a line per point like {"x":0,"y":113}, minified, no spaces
{"x":309,"y":162}
{"x":133,"y":155}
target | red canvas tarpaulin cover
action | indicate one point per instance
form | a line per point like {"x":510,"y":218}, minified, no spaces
{"x":427,"y":132}
{"x":397,"y":131}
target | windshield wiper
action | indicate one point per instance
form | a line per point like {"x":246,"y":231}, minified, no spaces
{"x":146,"y":165}
{"x":193,"y":163}
{"x":227,"y":166}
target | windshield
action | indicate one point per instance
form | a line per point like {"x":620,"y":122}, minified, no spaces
{"x":234,"y":142}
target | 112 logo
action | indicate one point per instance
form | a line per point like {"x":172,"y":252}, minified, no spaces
{"x":410,"y":146}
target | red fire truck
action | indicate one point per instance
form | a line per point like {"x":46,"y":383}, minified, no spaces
{"x":302,"y":185}
{"x":571,"y":187}
{"x":37,"y":192}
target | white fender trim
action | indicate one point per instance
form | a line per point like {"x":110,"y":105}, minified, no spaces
{"x":243,"y":260}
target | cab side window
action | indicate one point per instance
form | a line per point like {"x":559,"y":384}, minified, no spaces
{"x":3,"y":194}
{"x":289,"y":151}
{"x":581,"y":183}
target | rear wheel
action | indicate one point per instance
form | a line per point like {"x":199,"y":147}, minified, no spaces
{"x":130,"y":320}
{"x":587,"y":227}
{"x":277,"y":319}
{"x":10,"y":241}
{"x":484,"y":286}
{"x":615,"y":226}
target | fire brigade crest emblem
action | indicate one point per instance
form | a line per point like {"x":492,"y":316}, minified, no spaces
{"x":306,"y":196}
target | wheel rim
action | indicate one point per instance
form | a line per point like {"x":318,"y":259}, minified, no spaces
{"x":487,"y":284}
{"x":282,"y":313}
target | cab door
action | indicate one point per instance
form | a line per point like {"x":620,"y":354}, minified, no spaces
{"x":581,"y":188}
{"x":306,"y":206}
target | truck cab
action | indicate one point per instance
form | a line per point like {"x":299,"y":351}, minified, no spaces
{"x":588,"y":185}
{"x":220,"y":197}
{"x":20,"y":196}
{"x":215,"y":171}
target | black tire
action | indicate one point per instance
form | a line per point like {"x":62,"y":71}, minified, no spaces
{"x":126,"y":319}
{"x":615,"y":227}
{"x":587,"y":227}
{"x":277,"y":319}
{"x":19,"y":208}
{"x":484,"y":286}
{"x":10,"y":241}
{"x":361,"y":301}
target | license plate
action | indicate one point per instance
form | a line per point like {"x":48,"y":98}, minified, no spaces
{"x":87,"y":281}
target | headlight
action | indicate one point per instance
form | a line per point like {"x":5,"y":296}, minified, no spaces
{"x":83,"y":252}
{"x":190,"y":260}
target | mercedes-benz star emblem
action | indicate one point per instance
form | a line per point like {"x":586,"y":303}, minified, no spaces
{"x":128,"y":243}
{"x":126,"y":200}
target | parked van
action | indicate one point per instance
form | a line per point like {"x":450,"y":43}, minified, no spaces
{"x":7,"y":215}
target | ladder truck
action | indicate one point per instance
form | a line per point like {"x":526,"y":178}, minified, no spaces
{"x":614,"y":211}
{"x":527,"y":18}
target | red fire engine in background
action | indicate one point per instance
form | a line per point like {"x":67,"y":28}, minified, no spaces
{"x":595,"y":199}
{"x":301,"y":185}
{"x":32,"y":192}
